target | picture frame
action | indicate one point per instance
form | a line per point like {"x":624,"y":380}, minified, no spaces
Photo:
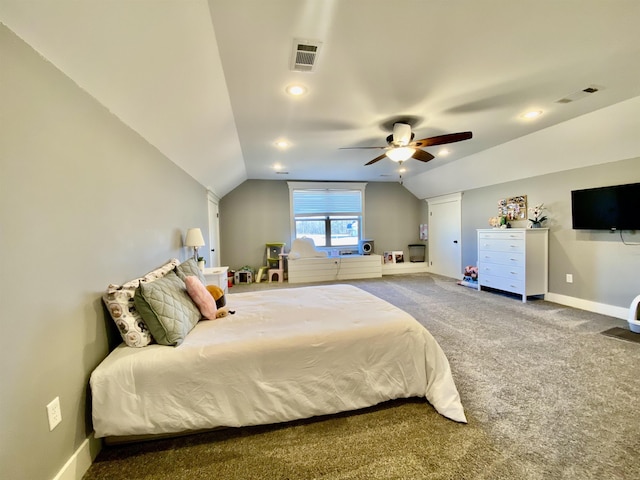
{"x":394,"y":256}
{"x":513,"y":208}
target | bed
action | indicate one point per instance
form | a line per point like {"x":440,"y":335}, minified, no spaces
{"x":286,"y":354}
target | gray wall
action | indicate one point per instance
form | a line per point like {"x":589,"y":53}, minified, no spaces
{"x":604,"y":269}
{"x":257,"y":212}
{"x":84,"y":202}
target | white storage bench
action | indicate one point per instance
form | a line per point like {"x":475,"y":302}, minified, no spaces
{"x":325,"y":269}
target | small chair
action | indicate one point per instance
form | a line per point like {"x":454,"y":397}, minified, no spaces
{"x":274,"y":262}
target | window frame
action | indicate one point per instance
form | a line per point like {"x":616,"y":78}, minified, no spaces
{"x":326,"y":216}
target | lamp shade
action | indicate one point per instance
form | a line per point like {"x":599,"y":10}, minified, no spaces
{"x":194,"y":238}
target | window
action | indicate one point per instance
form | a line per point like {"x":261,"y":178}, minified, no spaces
{"x":330,"y":213}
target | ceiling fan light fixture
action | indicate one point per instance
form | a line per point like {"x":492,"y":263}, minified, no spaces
{"x":400,"y":154}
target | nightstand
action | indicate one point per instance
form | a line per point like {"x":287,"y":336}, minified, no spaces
{"x":217,"y":276}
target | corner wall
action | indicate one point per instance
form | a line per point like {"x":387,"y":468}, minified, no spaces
{"x":84,"y":202}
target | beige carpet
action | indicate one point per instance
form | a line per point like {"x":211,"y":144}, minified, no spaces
{"x":547,"y":397}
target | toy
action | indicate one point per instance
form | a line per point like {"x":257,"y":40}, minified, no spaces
{"x":471,"y":271}
{"x":470,"y":278}
{"x":221,"y":301}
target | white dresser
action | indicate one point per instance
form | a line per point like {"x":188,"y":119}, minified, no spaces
{"x":514,"y":260}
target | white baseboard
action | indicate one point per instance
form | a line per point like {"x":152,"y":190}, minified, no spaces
{"x":81,"y":460}
{"x":602,"y":308}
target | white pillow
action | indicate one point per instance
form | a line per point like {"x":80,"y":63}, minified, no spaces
{"x":305,"y":247}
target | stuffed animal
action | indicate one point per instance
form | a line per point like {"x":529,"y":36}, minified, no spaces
{"x":471,"y":271}
{"x":221,"y":302}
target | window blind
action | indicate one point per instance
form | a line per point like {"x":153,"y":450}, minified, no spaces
{"x":327,"y":202}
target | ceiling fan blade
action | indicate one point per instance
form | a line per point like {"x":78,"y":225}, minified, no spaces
{"x":443,"y":139}
{"x":377,"y":159}
{"x":422,"y":155}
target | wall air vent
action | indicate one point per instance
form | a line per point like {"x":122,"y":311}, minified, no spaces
{"x":305,"y":55}
{"x":580,"y":94}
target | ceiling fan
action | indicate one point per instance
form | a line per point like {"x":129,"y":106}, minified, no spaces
{"x":401,"y":146}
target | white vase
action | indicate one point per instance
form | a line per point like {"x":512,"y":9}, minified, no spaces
{"x":201,"y":265}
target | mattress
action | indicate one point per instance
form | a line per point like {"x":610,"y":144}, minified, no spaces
{"x":286,"y":354}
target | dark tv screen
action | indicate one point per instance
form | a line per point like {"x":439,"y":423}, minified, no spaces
{"x":606,"y":208}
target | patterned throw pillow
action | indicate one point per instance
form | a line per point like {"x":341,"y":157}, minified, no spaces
{"x":119,"y":302}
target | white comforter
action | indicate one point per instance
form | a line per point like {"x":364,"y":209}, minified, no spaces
{"x":286,"y":354}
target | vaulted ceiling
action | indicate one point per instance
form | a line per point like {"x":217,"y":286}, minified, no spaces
{"x":204,"y":82}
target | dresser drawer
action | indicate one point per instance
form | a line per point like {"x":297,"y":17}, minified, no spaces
{"x":501,"y":245}
{"x":504,"y":234}
{"x":504,"y":271}
{"x":506,"y":284}
{"x":515,"y":259}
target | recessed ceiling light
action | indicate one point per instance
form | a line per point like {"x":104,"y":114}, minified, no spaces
{"x":296,"y":90}
{"x":532,"y":114}
{"x":282,"y":144}
{"x":277,"y":166}
{"x":443,"y":152}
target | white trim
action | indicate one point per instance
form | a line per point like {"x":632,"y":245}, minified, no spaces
{"x":588,"y":305}
{"x":451,"y":197}
{"x":81,"y":460}
{"x":214,"y":230}
{"x":327,"y":185}
{"x":213,"y":197}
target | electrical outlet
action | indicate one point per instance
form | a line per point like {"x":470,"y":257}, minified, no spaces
{"x":569,"y":278}
{"x":54,"y":413}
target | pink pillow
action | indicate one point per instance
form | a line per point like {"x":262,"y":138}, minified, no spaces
{"x":201,"y":297}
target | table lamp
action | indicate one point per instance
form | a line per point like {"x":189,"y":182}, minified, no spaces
{"x":194,"y":239}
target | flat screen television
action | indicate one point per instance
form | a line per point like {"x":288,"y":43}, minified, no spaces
{"x":606,"y":208}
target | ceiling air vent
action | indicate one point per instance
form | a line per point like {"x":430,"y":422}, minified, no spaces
{"x":305,"y":55}
{"x":580,"y":94}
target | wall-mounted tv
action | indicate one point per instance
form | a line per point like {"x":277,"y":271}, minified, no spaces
{"x":606,"y":208}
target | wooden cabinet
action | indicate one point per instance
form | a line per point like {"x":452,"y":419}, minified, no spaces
{"x":514,"y":260}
